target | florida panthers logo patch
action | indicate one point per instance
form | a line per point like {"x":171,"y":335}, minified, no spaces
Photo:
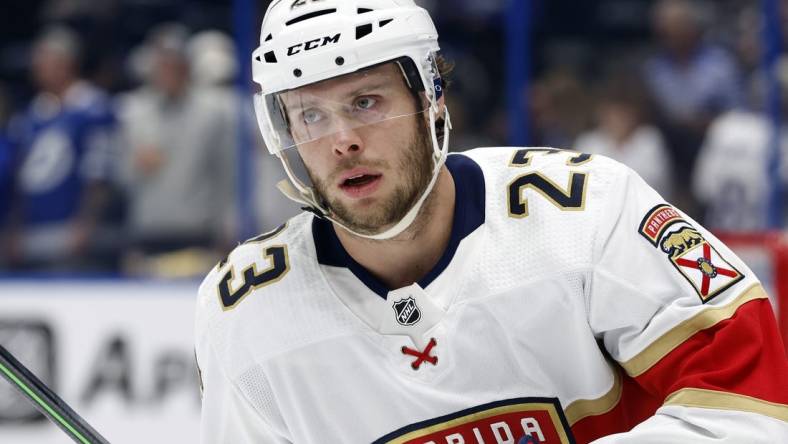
{"x":659,"y":219}
{"x":520,"y":420}
{"x":692,"y":255}
{"x":407,"y":312}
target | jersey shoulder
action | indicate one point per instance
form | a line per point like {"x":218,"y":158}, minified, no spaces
{"x":541,"y":182}
{"x":255,"y":265}
{"x":547,"y":210}
{"x":517,"y":160}
{"x":270,"y":297}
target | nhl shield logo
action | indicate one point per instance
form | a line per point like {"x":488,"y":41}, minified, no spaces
{"x":407,"y":312}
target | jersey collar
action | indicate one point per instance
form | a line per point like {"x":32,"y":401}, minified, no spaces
{"x":469,"y":204}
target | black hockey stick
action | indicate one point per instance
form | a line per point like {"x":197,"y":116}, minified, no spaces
{"x":46,"y":401}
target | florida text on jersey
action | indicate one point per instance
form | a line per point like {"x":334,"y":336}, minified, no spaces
{"x":571,"y":304}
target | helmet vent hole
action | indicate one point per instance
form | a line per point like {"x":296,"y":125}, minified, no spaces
{"x":311,"y":15}
{"x":297,"y":72}
{"x":363,"y":30}
{"x":363,"y":10}
{"x":383,"y":23}
{"x":270,"y":57}
{"x":258,"y":58}
{"x":340,"y":61}
{"x":269,"y":37}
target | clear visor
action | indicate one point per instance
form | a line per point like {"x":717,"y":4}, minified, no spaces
{"x":319,"y":112}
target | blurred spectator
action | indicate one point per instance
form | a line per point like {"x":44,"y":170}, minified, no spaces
{"x":690,"y":81}
{"x":214,"y":68}
{"x":6,"y":160}
{"x":75,"y":10}
{"x":559,"y":109}
{"x":748,"y":49}
{"x":65,"y":149}
{"x":213,"y":59}
{"x":6,"y":172}
{"x":179,"y":164}
{"x":731,"y":177}
{"x":623,"y":133}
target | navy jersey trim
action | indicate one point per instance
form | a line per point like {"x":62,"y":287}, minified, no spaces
{"x":469,"y":204}
{"x":331,"y":252}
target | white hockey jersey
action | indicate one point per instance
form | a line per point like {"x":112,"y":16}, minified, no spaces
{"x":571,"y":305}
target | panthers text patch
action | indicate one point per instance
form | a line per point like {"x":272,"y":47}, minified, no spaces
{"x":657,"y":221}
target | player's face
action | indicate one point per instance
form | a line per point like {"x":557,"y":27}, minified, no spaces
{"x":368,"y":166}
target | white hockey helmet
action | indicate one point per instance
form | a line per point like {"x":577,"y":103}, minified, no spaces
{"x":303,"y":42}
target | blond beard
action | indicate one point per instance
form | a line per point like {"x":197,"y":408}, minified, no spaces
{"x":417,"y":166}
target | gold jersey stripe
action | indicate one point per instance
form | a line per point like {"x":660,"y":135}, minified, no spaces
{"x":675,"y":337}
{"x":583,"y":408}
{"x":711,"y":399}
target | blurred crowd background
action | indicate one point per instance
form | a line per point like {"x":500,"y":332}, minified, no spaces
{"x":121,"y":120}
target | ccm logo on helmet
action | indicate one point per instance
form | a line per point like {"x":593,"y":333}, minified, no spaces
{"x":312,"y":44}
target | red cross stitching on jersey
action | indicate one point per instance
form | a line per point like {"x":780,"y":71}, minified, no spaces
{"x":420,"y":356}
{"x":707,"y":268}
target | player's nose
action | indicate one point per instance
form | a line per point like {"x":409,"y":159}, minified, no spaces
{"x":346,"y":141}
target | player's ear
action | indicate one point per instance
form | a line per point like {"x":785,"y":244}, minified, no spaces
{"x":440,"y":117}
{"x":441,"y":107}
{"x":441,"y":110}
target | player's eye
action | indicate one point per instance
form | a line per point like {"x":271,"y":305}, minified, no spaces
{"x":312,"y":116}
{"x":366,"y":102}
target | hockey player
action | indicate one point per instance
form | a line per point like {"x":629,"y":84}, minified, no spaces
{"x":503,"y":295}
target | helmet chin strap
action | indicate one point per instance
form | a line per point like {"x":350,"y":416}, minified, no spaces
{"x":295,"y":190}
